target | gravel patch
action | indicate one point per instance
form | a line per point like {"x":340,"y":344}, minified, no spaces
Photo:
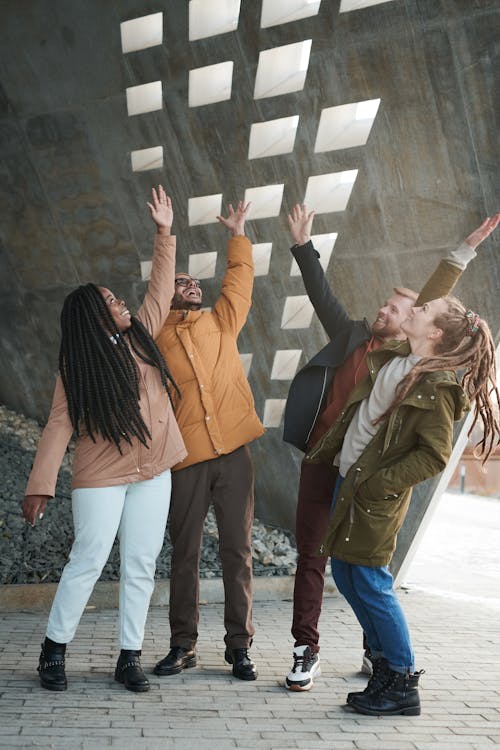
{"x":38,"y":555}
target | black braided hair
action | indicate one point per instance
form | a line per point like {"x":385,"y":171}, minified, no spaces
{"x":98,"y":371}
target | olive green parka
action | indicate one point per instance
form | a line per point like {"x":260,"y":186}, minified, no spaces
{"x":412,"y":445}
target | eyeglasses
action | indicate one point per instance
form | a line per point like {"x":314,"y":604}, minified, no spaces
{"x":183,"y":281}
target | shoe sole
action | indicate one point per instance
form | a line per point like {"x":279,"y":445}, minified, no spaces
{"x":297,"y":687}
{"x":188,"y":664}
{"x":248,"y":678}
{"x":54,"y":688}
{"x":410,"y":711}
{"x":135,"y":688}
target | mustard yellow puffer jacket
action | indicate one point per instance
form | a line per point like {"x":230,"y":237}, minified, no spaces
{"x":216,"y":412}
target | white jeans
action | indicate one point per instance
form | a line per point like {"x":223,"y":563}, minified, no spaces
{"x":137,"y":513}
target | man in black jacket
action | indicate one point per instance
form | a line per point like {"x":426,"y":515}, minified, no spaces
{"x":316,"y":398}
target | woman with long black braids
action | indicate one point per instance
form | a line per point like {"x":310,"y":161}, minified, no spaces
{"x":113,"y":392}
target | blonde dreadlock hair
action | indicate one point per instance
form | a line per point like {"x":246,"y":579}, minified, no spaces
{"x":467,"y":346}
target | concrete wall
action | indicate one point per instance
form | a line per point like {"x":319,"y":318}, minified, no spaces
{"x":71,"y":210}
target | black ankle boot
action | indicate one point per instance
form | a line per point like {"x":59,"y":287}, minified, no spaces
{"x":379,"y":676}
{"x":130,"y":673}
{"x":398,"y":695}
{"x":51,"y":666}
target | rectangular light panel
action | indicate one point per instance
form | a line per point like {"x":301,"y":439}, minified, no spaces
{"x":246,"y":361}
{"x":146,"y":266}
{"x":275,"y":12}
{"x":144,"y":98}
{"x":211,"y":17}
{"x":285,"y":364}
{"x":273,"y":411}
{"x":261,"y":258}
{"x":204,"y":210}
{"x":282,"y":70}
{"x":330,"y":192}
{"x":141,"y":33}
{"x":147,"y":158}
{"x":210,"y":84}
{"x":345,"y":126}
{"x":347,"y":5}
{"x":297,"y":312}
{"x":323,"y":243}
{"x":273,"y":137}
{"x":265,"y":201}
{"x":202,"y":265}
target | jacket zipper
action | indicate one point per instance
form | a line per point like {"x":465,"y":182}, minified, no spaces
{"x":319,"y":406}
{"x":351,"y":505}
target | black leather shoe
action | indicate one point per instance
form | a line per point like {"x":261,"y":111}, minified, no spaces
{"x":51,"y":666}
{"x":243,"y":666}
{"x":175,"y":661}
{"x":130,"y":673}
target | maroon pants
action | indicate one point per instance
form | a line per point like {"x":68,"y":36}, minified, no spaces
{"x":227,"y":482}
{"x":313,"y":511}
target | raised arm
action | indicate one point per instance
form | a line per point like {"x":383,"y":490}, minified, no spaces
{"x":156,"y":303}
{"x":235,"y":299}
{"x":450,"y":269}
{"x":329,"y":310}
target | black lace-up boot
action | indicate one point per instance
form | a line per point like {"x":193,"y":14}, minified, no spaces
{"x":379,"y":676}
{"x":51,"y":666}
{"x":398,"y":695}
{"x":130,"y":673}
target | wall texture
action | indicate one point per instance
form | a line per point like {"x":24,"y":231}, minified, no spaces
{"x":72,"y":210}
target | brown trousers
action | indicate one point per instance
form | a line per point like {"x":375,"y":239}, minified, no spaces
{"x":227,"y":482}
{"x":313,"y":514}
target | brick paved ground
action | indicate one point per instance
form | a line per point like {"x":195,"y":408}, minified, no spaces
{"x":458,"y":643}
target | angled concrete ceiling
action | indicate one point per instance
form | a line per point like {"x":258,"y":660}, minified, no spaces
{"x":388,"y":124}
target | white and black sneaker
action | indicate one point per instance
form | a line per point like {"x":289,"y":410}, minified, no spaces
{"x":305,"y":668}
{"x":367,"y":663}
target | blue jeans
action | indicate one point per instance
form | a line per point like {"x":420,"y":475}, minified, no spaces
{"x":371,"y":595}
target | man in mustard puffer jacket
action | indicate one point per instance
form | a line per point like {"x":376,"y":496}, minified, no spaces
{"x":217,"y":419}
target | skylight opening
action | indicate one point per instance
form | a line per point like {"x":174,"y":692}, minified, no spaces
{"x":210,"y":84}
{"x":275,"y":12}
{"x":147,"y":158}
{"x":324,"y":244}
{"x":261,"y":258}
{"x":282,"y":70}
{"x":142,"y":33}
{"x":246,"y":361}
{"x":330,"y":192}
{"x":347,"y":5}
{"x":144,"y":98}
{"x":204,"y":209}
{"x":212,"y":17}
{"x":345,"y":126}
{"x":273,"y":137}
{"x":273,"y":412}
{"x":202,"y":265}
{"x":285,"y":364}
{"x":297,"y":312}
{"x":265,"y":201}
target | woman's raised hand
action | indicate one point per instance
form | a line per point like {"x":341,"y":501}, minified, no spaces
{"x":483,"y":231}
{"x":161,"y":210}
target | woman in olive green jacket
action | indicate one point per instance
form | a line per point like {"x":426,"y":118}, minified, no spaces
{"x":396,"y":431}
